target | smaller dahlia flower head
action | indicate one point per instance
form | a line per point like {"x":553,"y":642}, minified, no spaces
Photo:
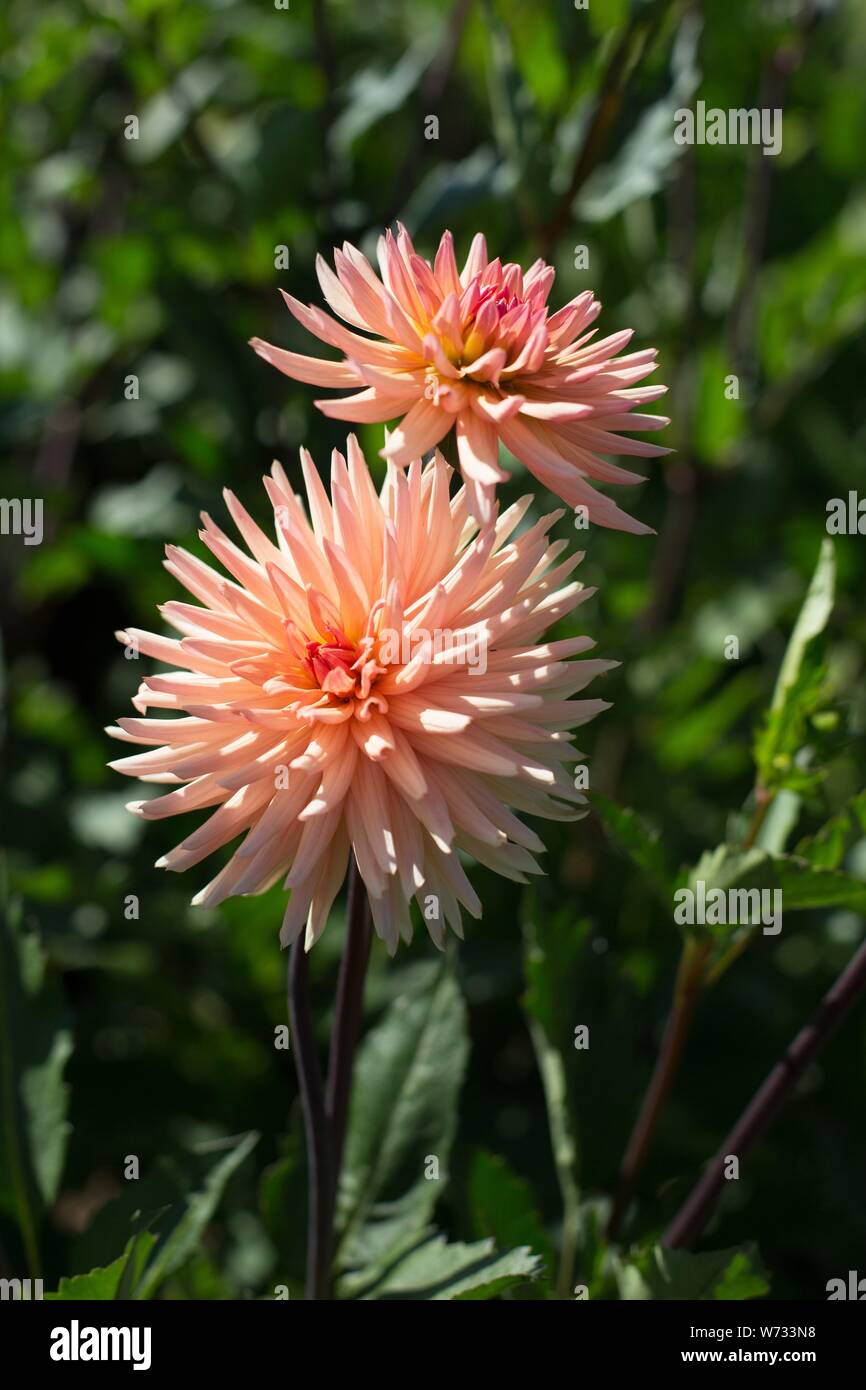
{"x":373,"y":682}
{"x":478,"y":351}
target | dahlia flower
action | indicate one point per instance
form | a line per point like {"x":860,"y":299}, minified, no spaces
{"x":376,"y":682}
{"x":479,"y":351}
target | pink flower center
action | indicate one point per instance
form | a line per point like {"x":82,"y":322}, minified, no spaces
{"x":330,"y":664}
{"x":501,"y":301}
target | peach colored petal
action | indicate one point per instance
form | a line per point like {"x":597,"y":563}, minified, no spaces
{"x":443,"y":344}
{"x":328,"y":698}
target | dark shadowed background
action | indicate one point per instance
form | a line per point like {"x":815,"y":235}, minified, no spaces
{"x":154,"y":258}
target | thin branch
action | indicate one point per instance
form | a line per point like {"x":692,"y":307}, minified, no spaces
{"x":756,"y":1119}
{"x":694,"y":977}
{"x":688,"y":988}
{"x":319,"y":1158}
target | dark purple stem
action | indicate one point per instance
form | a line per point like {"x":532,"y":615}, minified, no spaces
{"x":316,"y":1128}
{"x":690,"y":1220}
{"x":348,"y":1013}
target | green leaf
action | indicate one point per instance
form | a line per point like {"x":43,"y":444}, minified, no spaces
{"x":436,"y":1271}
{"x":799,"y":690}
{"x":811,"y":301}
{"x":828,"y":846}
{"x":662,"y":1274}
{"x":282,"y":1204}
{"x":813,"y":618}
{"x":503,"y":1208}
{"x":779,"y":822}
{"x":720,"y":422}
{"x":162,"y":1202}
{"x":553,"y":946}
{"x":182,"y":1239}
{"x":404,"y":1111}
{"x":635,"y":838}
{"x":514,"y":118}
{"x":169,"y":112}
{"x":554,"y":942}
{"x":35,"y":1045}
{"x":803,"y":884}
{"x":452,"y":188}
{"x":644,"y":159}
{"x":118,"y":1280}
{"x":375,"y":93}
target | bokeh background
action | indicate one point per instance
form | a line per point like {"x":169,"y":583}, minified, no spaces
{"x":262,"y":128}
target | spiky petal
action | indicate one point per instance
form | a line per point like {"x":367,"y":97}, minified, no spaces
{"x":375,"y":681}
{"x":479,"y":352}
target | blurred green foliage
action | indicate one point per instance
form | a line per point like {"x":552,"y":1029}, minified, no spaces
{"x":154,"y":258}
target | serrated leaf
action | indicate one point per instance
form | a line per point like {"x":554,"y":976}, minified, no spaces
{"x":403,"y":1111}
{"x":799,"y":690}
{"x":828,"y":846}
{"x":503,"y":1208}
{"x":119,"y":1280}
{"x":636,"y":839}
{"x":662,"y":1274}
{"x":186,"y":1232}
{"x":163,"y":1203}
{"x":437,"y":1270}
{"x":803,"y":885}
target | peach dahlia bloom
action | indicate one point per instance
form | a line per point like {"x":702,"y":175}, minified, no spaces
{"x":478,"y":350}
{"x":375,"y":682}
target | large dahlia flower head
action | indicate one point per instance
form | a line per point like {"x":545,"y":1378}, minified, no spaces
{"x":373,"y":680}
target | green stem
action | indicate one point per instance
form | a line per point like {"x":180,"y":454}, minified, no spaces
{"x":565,"y":1157}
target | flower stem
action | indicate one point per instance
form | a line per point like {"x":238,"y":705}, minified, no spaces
{"x":690,"y":981}
{"x":690,"y":1220}
{"x":347,"y":1015}
{"x":319,"y":1148}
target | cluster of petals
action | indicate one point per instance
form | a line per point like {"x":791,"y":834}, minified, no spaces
{"x":478,"y":351}
{"x":373,"y":681}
